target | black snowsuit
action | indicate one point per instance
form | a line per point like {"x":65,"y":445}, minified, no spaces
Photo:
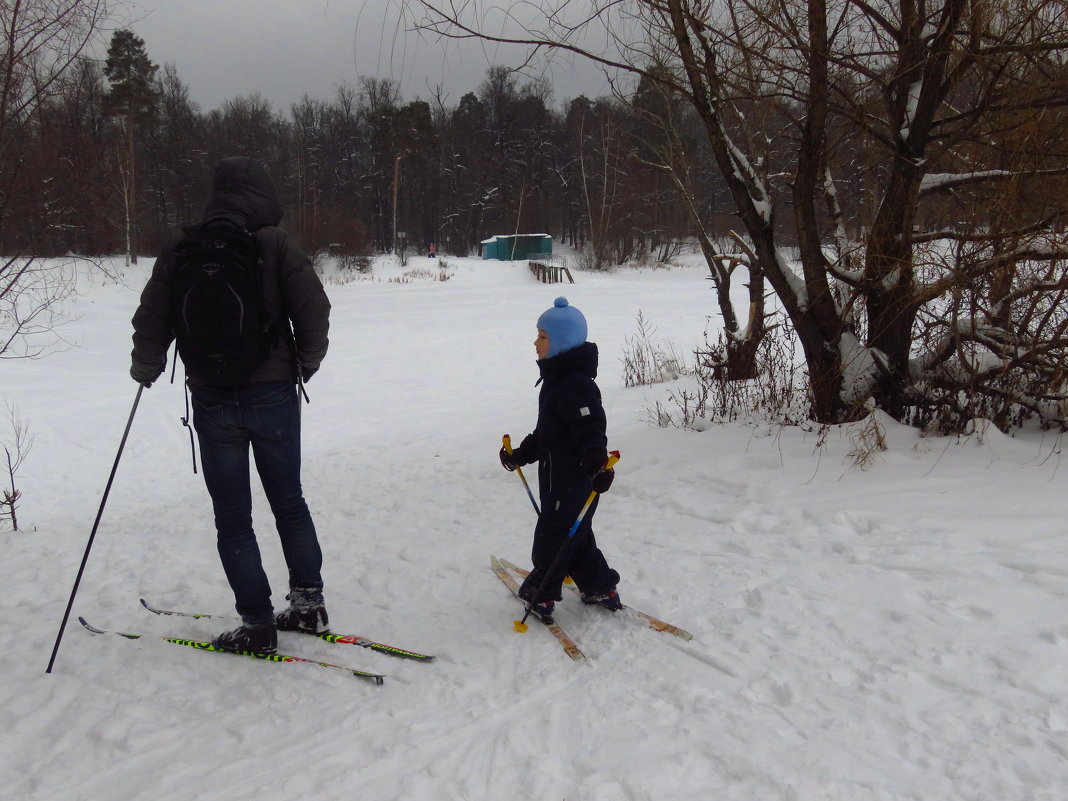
{"x":570,"y":445}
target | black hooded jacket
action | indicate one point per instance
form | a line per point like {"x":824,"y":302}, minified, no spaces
{"x":243,"y":194}
{"x":569,"y":442}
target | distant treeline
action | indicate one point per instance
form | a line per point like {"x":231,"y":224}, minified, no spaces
{"x":363,"y":172}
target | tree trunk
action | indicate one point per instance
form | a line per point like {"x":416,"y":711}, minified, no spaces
{"x":131,"y":194}
{"x":741,"y":347}
{"x":742,"y":358}
{"x":809,"y":305}
{"x":888,"y":279}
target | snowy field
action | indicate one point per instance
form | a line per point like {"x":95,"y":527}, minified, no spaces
{"x":892,"y":634}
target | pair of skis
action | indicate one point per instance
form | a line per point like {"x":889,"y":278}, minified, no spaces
{"x":512,"y":575}
{"x":343,"y":639}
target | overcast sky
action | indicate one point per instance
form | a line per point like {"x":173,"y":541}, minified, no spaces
{"x":286,"y":48}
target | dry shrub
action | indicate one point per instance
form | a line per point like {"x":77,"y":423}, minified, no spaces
{"x":647,"y":361}
{"x":779,"y":393}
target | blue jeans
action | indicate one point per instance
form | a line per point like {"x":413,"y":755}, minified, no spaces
{"x":266,"y":417}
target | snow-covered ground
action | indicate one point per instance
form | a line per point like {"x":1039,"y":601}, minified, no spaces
{"x":898,"y":633}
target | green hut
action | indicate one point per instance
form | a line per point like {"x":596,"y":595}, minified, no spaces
{"x":514,"y":247}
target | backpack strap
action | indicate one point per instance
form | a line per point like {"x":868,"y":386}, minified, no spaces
{"x":185,"y":422}
{"x":291,"y":340}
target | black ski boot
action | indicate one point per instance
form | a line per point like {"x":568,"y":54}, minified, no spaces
{"x":257,"y":639}
{"x":306,"y":612}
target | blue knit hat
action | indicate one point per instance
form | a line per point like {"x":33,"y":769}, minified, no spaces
{"x":565,"y":326}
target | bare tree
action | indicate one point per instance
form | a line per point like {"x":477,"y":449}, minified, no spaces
{"x":14,"y":455}
{"x":668,"y":148}
{"x":40,"y":40}
{"x":30,"y":292}
{"x":172,"y":158}
{"x":600,"y":150}
{"x":785,"y":90}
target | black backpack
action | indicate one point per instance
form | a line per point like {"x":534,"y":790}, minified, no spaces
{"x":219,"y":313}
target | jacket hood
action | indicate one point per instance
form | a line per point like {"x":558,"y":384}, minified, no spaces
{"x":242,"y":192}
{"x":582,"y":359}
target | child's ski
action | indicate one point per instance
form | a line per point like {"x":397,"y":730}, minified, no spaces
{"x":207,"y":646}
{"x":501,"y":568}
{"x":630,"y":611}
{"x":344,"y":639}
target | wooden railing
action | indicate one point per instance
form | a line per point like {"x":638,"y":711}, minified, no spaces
{"x":549,"y":273}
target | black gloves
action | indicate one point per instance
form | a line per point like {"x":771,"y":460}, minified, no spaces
{"x":144,"y":376}
{"x":602,"y":480}
{"x":508,"y":460}
{"x":307,"y":372}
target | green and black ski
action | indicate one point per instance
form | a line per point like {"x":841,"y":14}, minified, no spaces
{"x":342,"y":639}
{"x":377,"y":678}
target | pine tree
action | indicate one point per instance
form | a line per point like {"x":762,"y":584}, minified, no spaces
{"x":133,"y":97}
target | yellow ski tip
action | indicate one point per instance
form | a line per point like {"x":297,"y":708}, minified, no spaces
{"x":519,"y":626}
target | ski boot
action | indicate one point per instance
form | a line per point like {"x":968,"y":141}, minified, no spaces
{"x":544,"y":611}
{"x":306,"y":612}
{"x":609,"y":600}
{"x":256,"y":639}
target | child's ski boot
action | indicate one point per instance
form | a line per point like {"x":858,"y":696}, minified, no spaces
{"x":544,"y":611}
{"x":609,"y":600}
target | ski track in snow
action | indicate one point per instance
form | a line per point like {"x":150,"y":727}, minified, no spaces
{"x":894,"y":634}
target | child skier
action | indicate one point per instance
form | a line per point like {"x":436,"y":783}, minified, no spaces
{"x":570,"y":446}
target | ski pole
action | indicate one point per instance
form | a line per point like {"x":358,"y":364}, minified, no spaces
{"x":507,"y":440}
{"x":96,"y":524}
{"x":521,"y":625}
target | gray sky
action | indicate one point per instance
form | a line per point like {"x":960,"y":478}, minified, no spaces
{"x":286,"y":48}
